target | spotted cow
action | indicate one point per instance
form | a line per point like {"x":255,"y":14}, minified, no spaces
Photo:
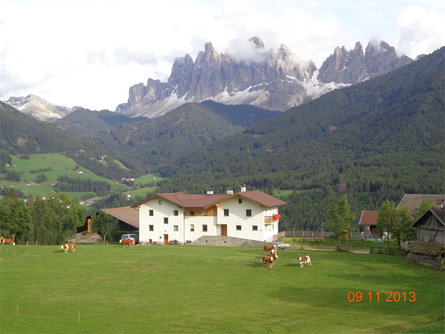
{"x":269,"y":259}
{"x":68,"y":247}
{"x":305,"y":260}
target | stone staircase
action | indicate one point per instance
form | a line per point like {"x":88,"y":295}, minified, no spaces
{"x":226,"y":241}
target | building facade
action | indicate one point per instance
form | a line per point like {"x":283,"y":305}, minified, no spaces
{"x":184,"y":217}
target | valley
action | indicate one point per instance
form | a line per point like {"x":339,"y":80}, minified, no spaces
{"x":374,"y":141}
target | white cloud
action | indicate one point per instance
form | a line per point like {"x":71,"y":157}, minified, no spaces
{"x":421,"y":31}
{"x":89,"y":52}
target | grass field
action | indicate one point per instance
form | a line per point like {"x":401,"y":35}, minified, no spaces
{"x":195,"y":289}
{"x":52,"y":165}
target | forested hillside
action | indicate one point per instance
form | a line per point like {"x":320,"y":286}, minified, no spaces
{"x":84,"y":122}
{"x":374,"y":141}
{"x":170,"y":137}
{"x":20,"y":134}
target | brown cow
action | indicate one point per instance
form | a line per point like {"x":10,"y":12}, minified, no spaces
{"x":8,"y":241}
{"x":68,"y":247}
{"x":270,"y":248}
{"x":127,"y":242}
{"x":270,"y":259}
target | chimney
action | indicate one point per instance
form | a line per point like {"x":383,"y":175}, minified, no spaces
{"x":243,"y":188}
{"x":230,"y":191}
{"x":209,"y":191}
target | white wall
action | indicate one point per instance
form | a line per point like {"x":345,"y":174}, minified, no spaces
{"x":237,"y":216}
{"x":161,"y":208}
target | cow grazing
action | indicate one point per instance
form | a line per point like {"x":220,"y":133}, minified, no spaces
{"x":8,"y":241}
{"x":270,"y":259}
{"x":127,"y":242}
{"x":270,"y":248}
{"x":305,"y":260}
{"x":68,"y":247}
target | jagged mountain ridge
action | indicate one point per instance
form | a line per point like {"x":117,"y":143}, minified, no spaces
{"x":271,"y":80}
{"x":354,"y":66}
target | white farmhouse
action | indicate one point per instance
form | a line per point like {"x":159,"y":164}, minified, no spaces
{"x":184,"y":217}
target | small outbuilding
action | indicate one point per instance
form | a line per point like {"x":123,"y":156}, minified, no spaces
{"x":368,"y":220}
{"x":127,"y":216}
{"x":431,"y":227}
{"x":429,"y":248}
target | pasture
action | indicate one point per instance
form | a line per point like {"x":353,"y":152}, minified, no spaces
{"x":52,"y":165}
{"x":196,"y":289}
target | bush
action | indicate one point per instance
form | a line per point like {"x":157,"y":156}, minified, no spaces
{"x":13,"y":176}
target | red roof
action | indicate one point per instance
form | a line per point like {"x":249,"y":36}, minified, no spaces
{"x":204,"y":200}
{"x":369,"y":218}
{"x":261,"y":198}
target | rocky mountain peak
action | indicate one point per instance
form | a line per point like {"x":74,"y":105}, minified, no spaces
{"x":38,"y":108}
{"x":257,"y":41}
{"x":268,"y":79}
{"x":358,"y":48}
{"x":353,"y":66}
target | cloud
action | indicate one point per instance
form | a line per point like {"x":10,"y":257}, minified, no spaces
{"x":244,"y":50}
{"x":421,"y":31}
{"x":89,"y":52}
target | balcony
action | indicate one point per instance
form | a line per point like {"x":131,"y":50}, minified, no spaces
{"x":272,"y":219}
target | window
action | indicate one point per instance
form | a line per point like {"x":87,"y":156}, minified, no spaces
{"x":165,"y":220}
{"x":204,"y":228}
{"x":192,"y":227}
{"x":175,"y":228}
{"x":254,"y":227}
{"x":240,"y":200}
{"x":150,"y":212}
{"x":226,"y":212}
{"x":192,"y":213}
{"x":175,"y":212}
{"x":151,"y":228}
{"x":248,"y":212}
{"x":238,"y":227}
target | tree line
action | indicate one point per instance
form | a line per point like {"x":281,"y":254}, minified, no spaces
{"x":40,"y":220}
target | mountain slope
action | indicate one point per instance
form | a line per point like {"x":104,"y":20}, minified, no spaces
{"x":410,"y":97}
{"x":83,"y":122}
{"x":20,"y":134}
{"x":374,"y":141}
{"x":174,"y":135}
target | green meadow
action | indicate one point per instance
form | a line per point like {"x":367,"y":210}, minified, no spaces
{"x":53,"y":165}
{"x":196,"y":289}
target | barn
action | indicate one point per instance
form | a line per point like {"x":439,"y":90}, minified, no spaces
{"x":431,"y":227}
{"x":429,"y":248}
{"x":128,"y":219}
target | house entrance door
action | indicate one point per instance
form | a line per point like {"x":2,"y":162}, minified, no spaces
{"x":224,"y":230}
{"x":165,"y":239}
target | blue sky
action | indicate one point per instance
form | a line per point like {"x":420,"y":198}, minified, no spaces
{"x":89,"y":52}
